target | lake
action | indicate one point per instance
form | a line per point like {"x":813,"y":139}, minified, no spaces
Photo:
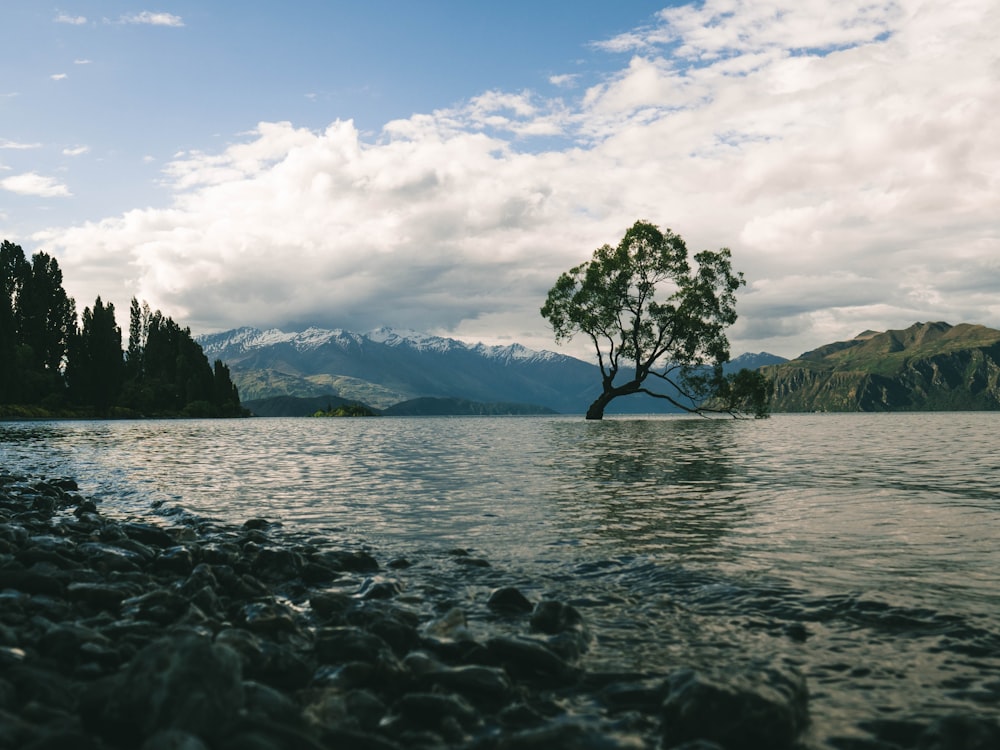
{"x":865,"y":548}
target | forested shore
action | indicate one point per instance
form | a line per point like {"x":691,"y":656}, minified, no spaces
{"x":53,"y":364}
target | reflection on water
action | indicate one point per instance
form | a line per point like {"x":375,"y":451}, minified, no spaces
{"x":650,"y":485}
{"x":864,"y":547}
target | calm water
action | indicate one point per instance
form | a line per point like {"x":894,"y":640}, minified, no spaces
{"x":863,"y":547}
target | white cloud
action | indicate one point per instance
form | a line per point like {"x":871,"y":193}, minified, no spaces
{"x":75,"y":150}
{"x":58,"y":76}
{"x":153,"y":19}
{"x":857,"y":187}
{"x":14,"y":145}
{"x":566,"y":80}
{"x":72,"y":20}
{"x":30,"y":183}
{"x":82,"y":62}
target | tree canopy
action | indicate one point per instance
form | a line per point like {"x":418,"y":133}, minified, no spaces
{"x":653,"y":316}
{"x":49,"y":362}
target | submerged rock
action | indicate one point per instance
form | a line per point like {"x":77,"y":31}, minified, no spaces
{"x":747,"y":709}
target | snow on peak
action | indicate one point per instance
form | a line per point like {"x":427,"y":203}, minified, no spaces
{"x":246,"y":339}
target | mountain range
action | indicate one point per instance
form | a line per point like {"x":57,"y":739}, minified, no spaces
{"x":385,"y":367}
{"x":928,"y":366}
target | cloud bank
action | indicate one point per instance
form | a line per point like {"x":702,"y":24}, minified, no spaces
{"x":848,"y":155}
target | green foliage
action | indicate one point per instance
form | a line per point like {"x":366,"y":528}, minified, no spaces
{"x":36,"y":322}
{"x":51,"y":367}
{"x":346,"y":410}
{"x":642,"y":303}
{"x":95,"y":371}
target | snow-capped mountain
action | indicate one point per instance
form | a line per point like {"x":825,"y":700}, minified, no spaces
{"x":386,"y":366}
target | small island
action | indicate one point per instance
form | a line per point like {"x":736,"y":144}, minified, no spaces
{"x":346,"y":410}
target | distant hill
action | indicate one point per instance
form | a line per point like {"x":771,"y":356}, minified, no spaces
{"x":386,"y":367}
{"x":926,"y":367}
{"x":295,"y":406}
{"x":428,"y":406}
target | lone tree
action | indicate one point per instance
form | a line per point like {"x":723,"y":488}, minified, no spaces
{"x":642,"y":303}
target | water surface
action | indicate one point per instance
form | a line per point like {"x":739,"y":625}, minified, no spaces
{"x":862,"y":547}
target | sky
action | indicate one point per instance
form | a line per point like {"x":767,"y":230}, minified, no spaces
{"x":436,"y":165}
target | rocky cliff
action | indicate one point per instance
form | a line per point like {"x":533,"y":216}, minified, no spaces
{"x":926,"y":367}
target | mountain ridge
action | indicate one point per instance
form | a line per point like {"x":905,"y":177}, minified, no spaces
{"x":387,"y":366}
{"x":927,"y":366}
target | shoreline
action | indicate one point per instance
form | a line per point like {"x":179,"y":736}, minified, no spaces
{"x":183,"y":632}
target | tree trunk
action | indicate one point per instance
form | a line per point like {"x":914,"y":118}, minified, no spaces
{"x":596,"y":410}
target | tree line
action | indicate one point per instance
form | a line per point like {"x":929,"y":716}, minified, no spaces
{"x":50,"y":360}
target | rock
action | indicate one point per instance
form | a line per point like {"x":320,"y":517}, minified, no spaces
{"x":276,"y":564}
{"x":488,"y":687}
{"x":509,"y":601}
{"x":159,"y":605}
{"x":148,"y":534}
{"x":567,"y":736}
{"x":183,"y":682}
{"x":765,"y":707}
{"x":330,"y":605}
{"x":30,"y":582}
{"x":98,"y":597}
{"x":554,"y":617}
{"x":529,"y":660}
{"x":174,"y":561}
{"x":173,"y":739}
{"x":430,"y":710}
{"x":340,"y":560}
{"x":267,"y":617}
{"x":338,"y":645}
{"x":961,"y":733}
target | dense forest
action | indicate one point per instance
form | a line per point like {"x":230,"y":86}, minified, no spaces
{"x":51,"y":364}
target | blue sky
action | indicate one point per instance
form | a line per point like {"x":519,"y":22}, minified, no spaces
{"x":436,"y":165}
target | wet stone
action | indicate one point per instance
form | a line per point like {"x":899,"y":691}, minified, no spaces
{"x":174,"y":561}
{"x":740,"y":710}
{"x":184,"y":682}
{"x":509,"y":601}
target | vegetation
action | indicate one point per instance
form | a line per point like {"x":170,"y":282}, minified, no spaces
{"x":346,"y":410}
{"x":926,"y":367}
{"x":51,"y":366}
{"x":642,"y":303}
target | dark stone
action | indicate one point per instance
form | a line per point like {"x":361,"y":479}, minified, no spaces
{"x":509,"y":601}
{"x":961,"y":733}
{"x":340,"y":560}
{"x":183,"y":682}
{"x":174,"y":561}
{"x":30,"y":582}
{"x":429,"y":710}
{"x":267,"y":617}
{"x":329,"y":605}
{"x":104,"y":557}
{"x":554,"y":617}
{"x":316,"y":573}
{"x":645,"y":696}
{"x":173,"y":739}
{"x":344,"y":644}
{"x":159,"y":605}
{"x":276,"y":564}
{"x":530,"y":660}
{"x":567,"y":736}
{"x":256,"y":524}
{"x":740,"y":710}
{"x":488,"y":687}
{"x":148,"y":534}
{"x":379,"y":589}
{"x":98,"y":596}
{"x":396,"y":627}
{"x":263,"y":700}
